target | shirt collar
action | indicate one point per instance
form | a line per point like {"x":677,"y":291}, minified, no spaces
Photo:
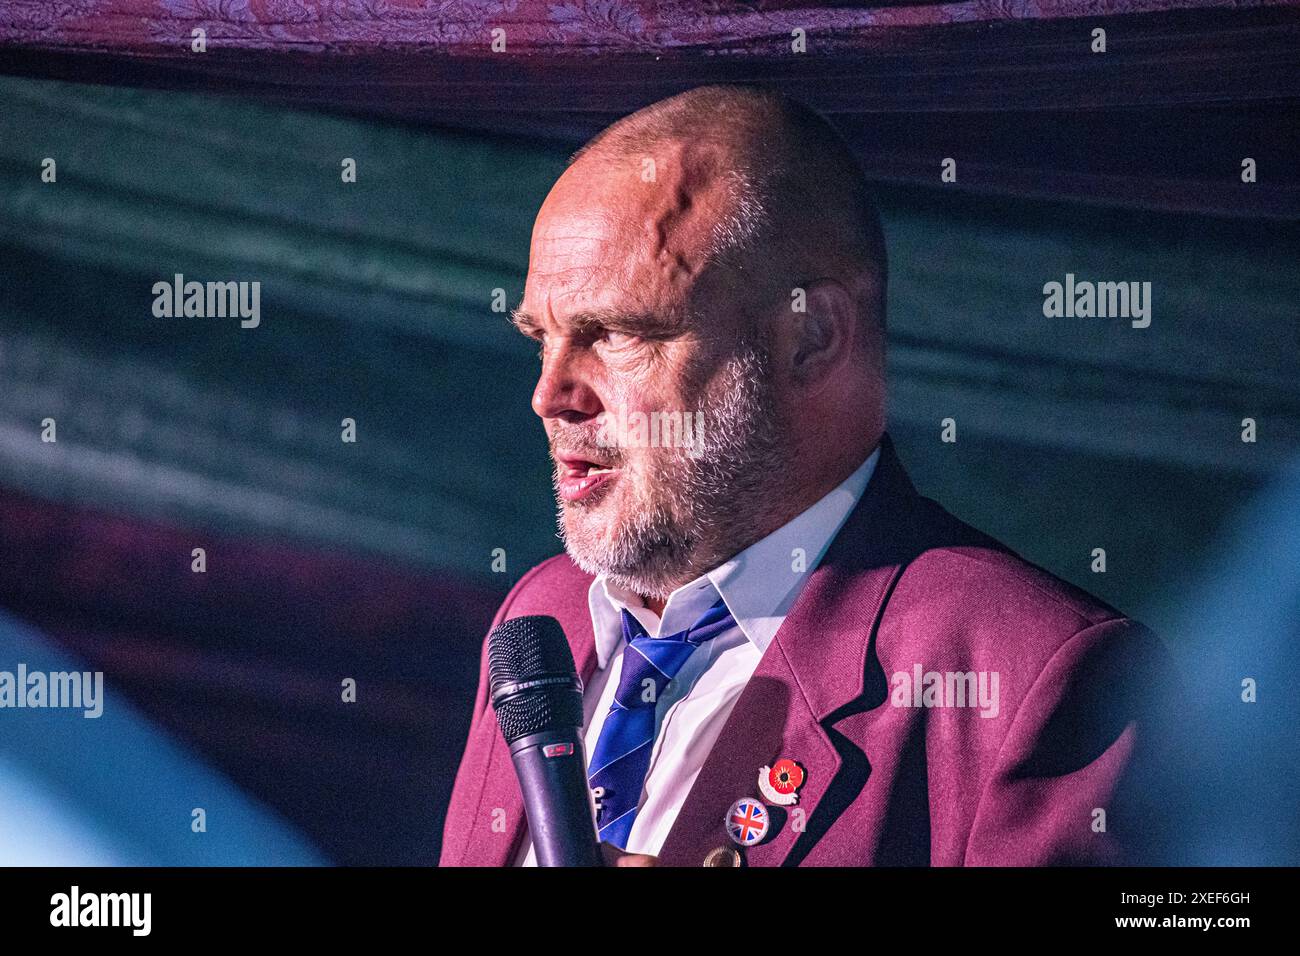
{"x":759,"y":585}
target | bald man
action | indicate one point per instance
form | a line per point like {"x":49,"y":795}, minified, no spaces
{"x":789,"y":656}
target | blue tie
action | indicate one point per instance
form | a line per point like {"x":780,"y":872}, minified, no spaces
{"x":622,"y":755}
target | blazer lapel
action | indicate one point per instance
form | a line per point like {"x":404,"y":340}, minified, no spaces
{"x":770,"y":720}
{"x":816,"y":668}
{"x":500,"y":802}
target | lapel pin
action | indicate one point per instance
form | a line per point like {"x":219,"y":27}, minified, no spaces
{"x":780,"y":782}
{"x":747,"y":822}
{"x":723,"y":856}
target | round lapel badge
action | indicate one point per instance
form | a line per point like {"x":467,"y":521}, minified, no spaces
{"x":747,"y":822}
{"x":723,"y":856}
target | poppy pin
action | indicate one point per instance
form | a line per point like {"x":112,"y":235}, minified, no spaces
{"x":780,"y":782}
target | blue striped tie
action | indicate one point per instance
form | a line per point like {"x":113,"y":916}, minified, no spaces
{"x":622,"y":754}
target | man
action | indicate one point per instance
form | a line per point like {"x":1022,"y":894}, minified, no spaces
{"x":854,"y":677}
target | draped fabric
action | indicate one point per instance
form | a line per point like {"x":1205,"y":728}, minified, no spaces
{"x":1011,"y":88}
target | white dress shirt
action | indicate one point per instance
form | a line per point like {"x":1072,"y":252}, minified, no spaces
{"x":759,"y":585}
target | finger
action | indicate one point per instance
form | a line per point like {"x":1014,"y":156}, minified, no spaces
{"x":637,"y":859}
{"x":615,"y":856}
{"x":610,"y":853}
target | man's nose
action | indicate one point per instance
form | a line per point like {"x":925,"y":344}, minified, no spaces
{"x":562,"y":391}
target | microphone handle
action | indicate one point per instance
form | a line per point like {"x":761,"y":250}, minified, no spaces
{"x":552,"y":771}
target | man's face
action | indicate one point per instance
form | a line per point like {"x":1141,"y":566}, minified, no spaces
{"x":631,"y":321}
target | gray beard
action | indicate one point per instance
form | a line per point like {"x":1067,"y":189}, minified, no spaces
{"x":707,"y":500}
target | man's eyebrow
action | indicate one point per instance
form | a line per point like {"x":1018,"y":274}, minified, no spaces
{"x":524,"y":322}
{"x":639,"y":323}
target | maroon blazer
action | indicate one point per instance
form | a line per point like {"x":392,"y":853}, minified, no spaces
{"x":903,"y":583}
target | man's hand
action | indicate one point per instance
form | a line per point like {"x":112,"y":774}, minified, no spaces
{"x":616,"y":857}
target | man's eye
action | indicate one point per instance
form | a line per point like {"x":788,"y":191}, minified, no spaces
{"x":617,"y":339}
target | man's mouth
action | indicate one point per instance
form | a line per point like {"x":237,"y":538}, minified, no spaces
{"x":580,"y":477}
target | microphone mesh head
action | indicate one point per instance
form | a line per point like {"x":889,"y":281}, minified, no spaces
{"x":533,"y":648}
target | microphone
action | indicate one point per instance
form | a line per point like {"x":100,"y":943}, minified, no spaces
{"x":537,"y":697}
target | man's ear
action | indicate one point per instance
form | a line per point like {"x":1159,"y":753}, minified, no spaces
{"x":823,"y":331}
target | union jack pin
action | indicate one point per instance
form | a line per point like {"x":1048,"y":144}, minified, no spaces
{"x":747,"y":822}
